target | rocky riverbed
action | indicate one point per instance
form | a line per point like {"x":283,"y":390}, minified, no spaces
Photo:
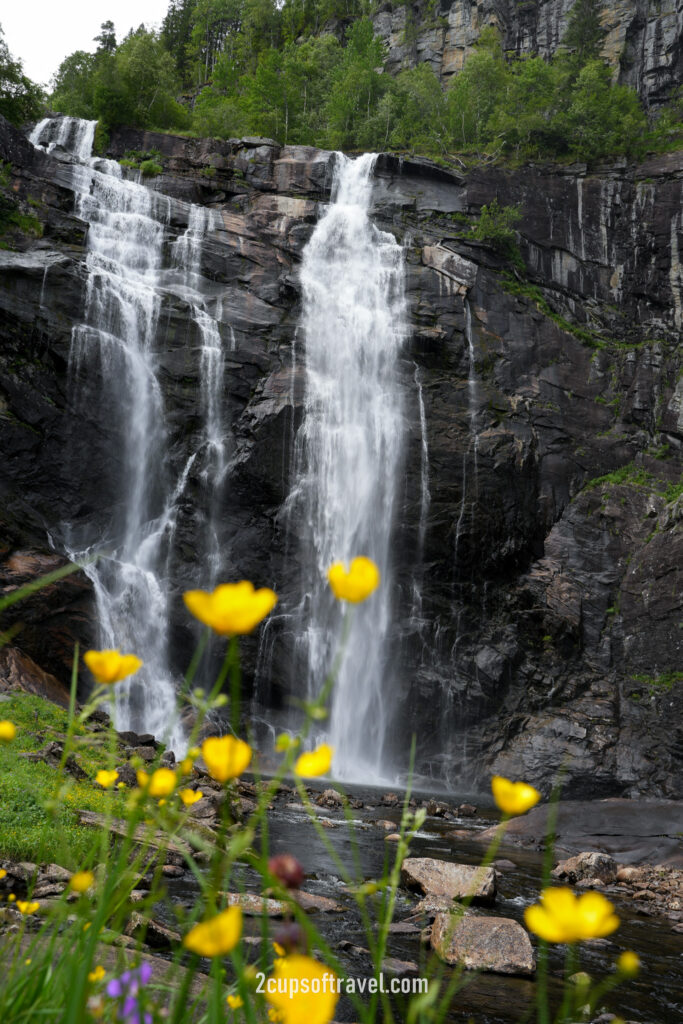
{"x":361,"y":827}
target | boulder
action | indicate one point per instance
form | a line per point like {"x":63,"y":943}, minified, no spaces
{"x":467,"y":811}
{"x":255,"y":906}
{"x":312,"y":901}
{"x":598,"y":866}
{"x":496,"y":944}
{"x":330,"y":798}
{"x":443,"y":878}
{"x":156,"y":934}
{"x":19,"y":672}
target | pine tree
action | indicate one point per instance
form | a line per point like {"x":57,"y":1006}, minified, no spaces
{"x":585,"y":31}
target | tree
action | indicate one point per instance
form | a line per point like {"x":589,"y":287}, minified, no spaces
{"x":422,"y":116}
{"x":355,"y":89}
{"x":176,"y":30}
{"x":73,"y":85}
{"x":604,"y":119}
{"x":144,"y":78}
{"x":21,"y":100}
{"x":106,"y":38}
{"x":585,"y":32}
{"x":527,"y":117}
{"x":475,"y":92}
{"x":496,"y":226}
{"x":136,"y":84}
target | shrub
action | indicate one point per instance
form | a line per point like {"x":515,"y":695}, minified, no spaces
{"x":150,"y":169}
{"x":496,"y":226}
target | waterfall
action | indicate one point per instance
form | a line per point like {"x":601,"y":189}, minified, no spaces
{"x":116,"y":345}
{"x":350,"y":457}
{"x":71,"y":133}
{"x":187,"y":258}
{"x":473,"y":419}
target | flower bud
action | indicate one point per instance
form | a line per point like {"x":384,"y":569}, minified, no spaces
{"x":287,"y":870}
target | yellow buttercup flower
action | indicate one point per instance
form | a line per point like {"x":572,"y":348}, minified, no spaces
{"x":3,"y":873}
{"x":217,"y":936}
{"x":190,"y":796}
{"x":97,"y":974}
{"x":274,"y":1015}
{"x":356,"y":584}
{"x":106,"y":779}
{"x":316,"y":762}
{"x":628,"y":964}
{"x":563,"y":917}
{"x":234,"y":1002}
{"x":162,"y":782}
{"x":27,"y":907}
{"x":232,"y":609}
{"x":186,"y":765}
{"x":8,"y":731}
{"x":226,"y":757}
{"x":111,"y":666}
{"x":81,"y":881}
{"x":513,"y":797}
{"x":305,"y":991}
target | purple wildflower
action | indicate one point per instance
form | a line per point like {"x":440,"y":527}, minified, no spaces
{"x":126,"y":988}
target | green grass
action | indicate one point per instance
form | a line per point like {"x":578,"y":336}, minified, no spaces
{"x":674,"y":491}
{"x":629,"y":474}
{"x":30,"y":829}
{"x":659,"y":684}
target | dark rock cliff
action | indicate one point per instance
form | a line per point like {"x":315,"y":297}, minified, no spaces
{"x":549,"y":630}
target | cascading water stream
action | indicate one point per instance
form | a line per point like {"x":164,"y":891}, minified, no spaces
{"x":350,"y":456}
{"x":116,"y":345}
{"x":473,"y":418}
{"x":187,"y":257}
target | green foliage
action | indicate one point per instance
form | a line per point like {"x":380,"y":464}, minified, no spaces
{"x":356,"y":88}
{"x":535,"y":108}
{"x":265,"y":68}
{"x":14,"y":220}
{"x":21,"y":100}
{"x":106,"y":38}
{"x":150,"y":169}
{"x":630,"y":474}
{"x":496,"y":226}
{"x":659,"y":684}
{"x":101,"y":140}
{"x":148,"y":162}
{"x":585,"y":32}
{"x":674,"y":490}
{"x":136,"y":84}
{"x":30,"y":829}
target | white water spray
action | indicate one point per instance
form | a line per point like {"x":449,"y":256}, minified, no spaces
{"x":116,"y":344}
{"x":351,"y":444}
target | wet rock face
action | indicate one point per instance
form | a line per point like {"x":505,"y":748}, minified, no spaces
{"x":642,"y":41}
{"x":546,"y":634}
